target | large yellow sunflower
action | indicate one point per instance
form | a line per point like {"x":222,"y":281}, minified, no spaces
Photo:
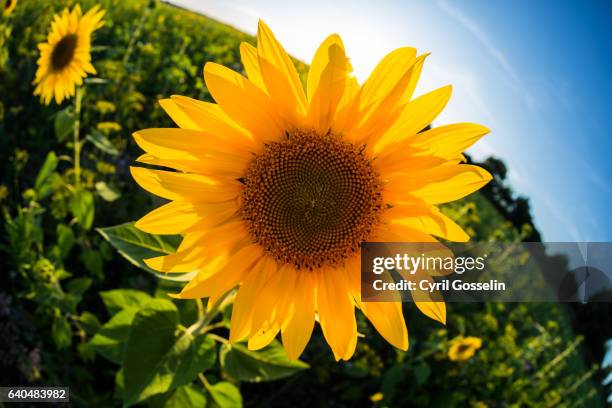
{"x":65,"y":58}
{"x":276,"y":187}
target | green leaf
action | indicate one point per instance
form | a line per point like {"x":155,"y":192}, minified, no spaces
{"x":118,"y":299}
{"x":101,"y":142}
{"x":106,"y":192}
{"x":391,"y":380}
{"x":93,"y":262}
{"x":110,"y":340}
{"x":119,"y":384}
{"x":422,"y":372}
{"x":269,"y":363}
{"x":136,"y":245}
{"x":225,"y":395}
{"x":82,"y":207}
{"x":61,"y":332}
{"x":73,"y":294}
{"x":64,"y":123}
{"x":65,"y":239}
{"x":86,"y":352}
{"x":89,"y":322}
{"x":172,"y":360}
{"x":186,"y":397}
{"x":78,"y":286}
{"x":42,"y":184}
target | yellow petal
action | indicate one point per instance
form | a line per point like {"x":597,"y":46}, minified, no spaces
{"x":336,"y":314}
{"x":429,"y":220}
{"x":244,"y":102}
{"x":330,"y":86}
{"x":388,"y":320}
{"x":242,"y":312}
{"x":402,"y":160}
{"x":416,"y":115}
{"x":347,"y":114}
{"x":210,"y":118}
{"x":179,"y":216}
{"x":264,"y":308}
{"x":384,"y":114}
{"x":451,"y":140}
{"x":175,"y":186}
{"x":319,"y":63}
{"x":201,"y":248}
{"x":178,"y":116}
{"x":403,"y":233}
{"x":186,"y":164}
{"x":238,"y":266}
{"x":431,"y":304}
{"x":179,"y":262}
{"x":298,"y":328}
{"x":465,"y":181}
{"x":183,"y":143}
{"x":437,"y":185}
{"x":389,"y":71}
{"x":262,"y":338}
{"x":282,"y":95}
{"x":434,"y":310}
{"x":415,"y":75}
{"x":272,"y":51}
{"x":248,"y":56}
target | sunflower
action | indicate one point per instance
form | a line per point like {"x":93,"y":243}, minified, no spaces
{"x":8,"y":6}
{"x":463,"y":348}
{"x":276,"y":186}
{"x":65,"y":58}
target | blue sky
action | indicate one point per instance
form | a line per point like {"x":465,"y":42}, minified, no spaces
{"x":536,"y":73}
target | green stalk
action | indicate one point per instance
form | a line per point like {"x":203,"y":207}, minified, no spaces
{"x":77,"y":139}
{"x":208,"y":317}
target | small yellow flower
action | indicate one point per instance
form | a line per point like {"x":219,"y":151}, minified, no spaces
{"x":277,"y":187}
{"x":463,"y":348}
{"x":108,"y":127}
{"x":377,"y":397}
{"x":8,"y":7}
{"x":65,"y":58}
{"x":480,"y":404}
{"x":105,"y":107}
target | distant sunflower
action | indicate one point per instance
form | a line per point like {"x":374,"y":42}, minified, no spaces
{"x":463,"y":348}
{"x":65,"y":58}
{"x":8,"y":6}
{"x":276,"y":187}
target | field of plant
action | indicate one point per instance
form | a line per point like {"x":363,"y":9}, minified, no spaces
{"x":79,"y":308}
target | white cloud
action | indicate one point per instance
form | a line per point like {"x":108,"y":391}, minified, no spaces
{"x":514,"y":79}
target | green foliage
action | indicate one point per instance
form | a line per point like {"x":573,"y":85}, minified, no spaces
{"x":224,"y":394}
{"x":174,"y":359}
{"x":102,"y":143}
{"x":187,"y":396}
{"x":64,"y":123}
{"x":271,"y":363}
{"x":109,"y":341}
{"x":135,"y":246}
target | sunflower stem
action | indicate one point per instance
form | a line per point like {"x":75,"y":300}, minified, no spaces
{"x":200,"y":306}
{"x":208,"y":317}
{"x":77,"y":137}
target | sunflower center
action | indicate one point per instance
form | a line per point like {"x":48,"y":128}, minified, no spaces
{"x":63,"y":52}
{"x":310,"y":200}
{"x":462,"y":348}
